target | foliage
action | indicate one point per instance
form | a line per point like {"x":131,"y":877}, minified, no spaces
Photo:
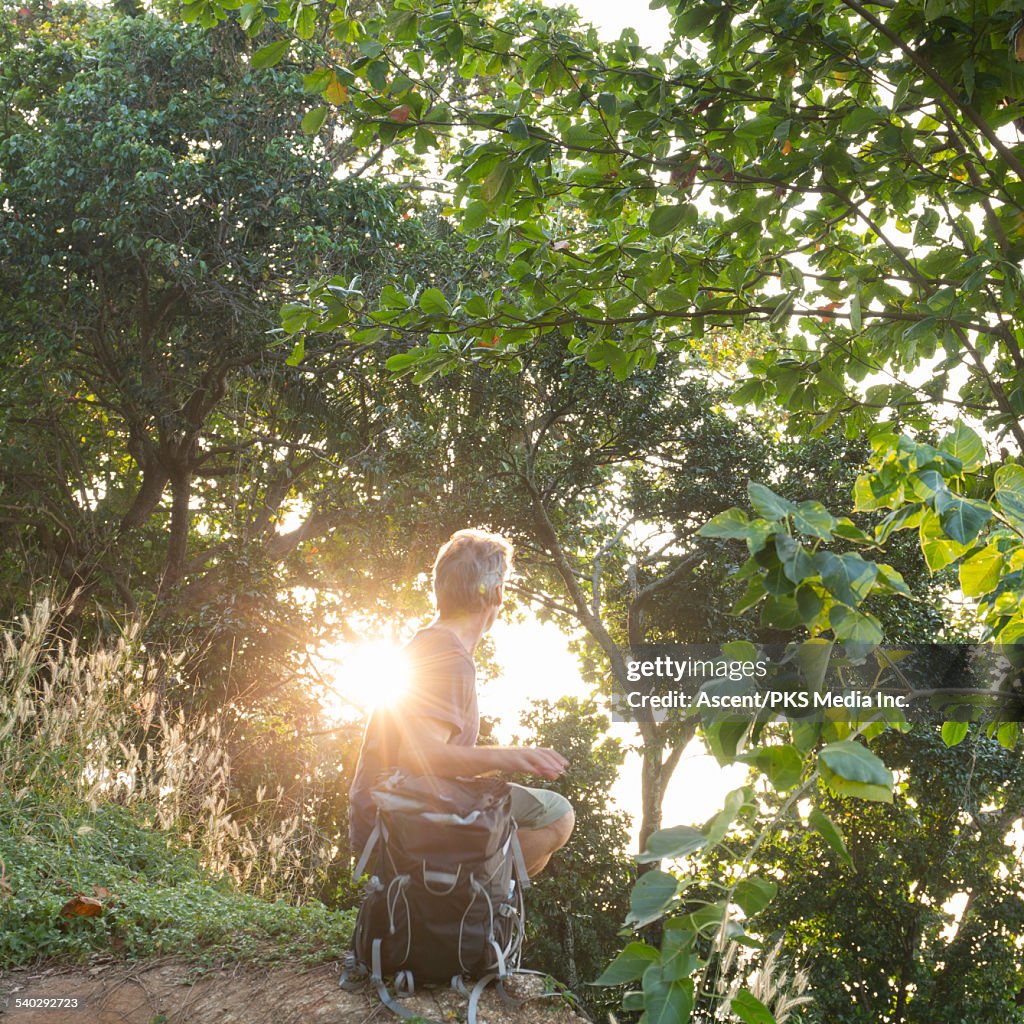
{"x":876,"y":934}
{"x":575,"y":906}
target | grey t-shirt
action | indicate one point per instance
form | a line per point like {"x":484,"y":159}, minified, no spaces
{"x":443,"y":687}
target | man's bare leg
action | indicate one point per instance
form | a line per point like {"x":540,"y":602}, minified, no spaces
{"x":539,"y":843}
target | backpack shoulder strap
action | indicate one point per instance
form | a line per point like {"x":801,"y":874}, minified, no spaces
{"x":364,"y":857}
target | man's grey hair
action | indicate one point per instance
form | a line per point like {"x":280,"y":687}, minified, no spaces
{"x":467,"y":569}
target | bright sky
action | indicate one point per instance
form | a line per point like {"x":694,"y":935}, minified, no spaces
{"x":610,"y":17}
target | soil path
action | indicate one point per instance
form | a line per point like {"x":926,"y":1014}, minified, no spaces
{"x":173,"y":992}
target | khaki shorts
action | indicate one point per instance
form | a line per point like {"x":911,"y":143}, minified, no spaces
{"x":537,"y":808}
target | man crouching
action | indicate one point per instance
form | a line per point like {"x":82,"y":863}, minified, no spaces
{"x":434,"y":729}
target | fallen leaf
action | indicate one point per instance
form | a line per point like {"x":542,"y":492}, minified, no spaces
{"x":81,"y":906}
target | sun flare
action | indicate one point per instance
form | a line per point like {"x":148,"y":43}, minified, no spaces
{"x":361,"y":677}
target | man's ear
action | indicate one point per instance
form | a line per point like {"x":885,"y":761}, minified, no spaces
{"x":498,"y":595}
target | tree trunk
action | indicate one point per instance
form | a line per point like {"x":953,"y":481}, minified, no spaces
{"x":651,"y":795}
{"x":177,"y":544}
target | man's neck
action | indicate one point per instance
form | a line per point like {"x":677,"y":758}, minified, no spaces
{"x":469,"y":629}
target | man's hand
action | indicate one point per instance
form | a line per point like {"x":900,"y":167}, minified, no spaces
{"x":542,"y":761}
{"x":425,"y":750}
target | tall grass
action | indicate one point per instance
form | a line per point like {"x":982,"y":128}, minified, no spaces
{"x":87,"y":726}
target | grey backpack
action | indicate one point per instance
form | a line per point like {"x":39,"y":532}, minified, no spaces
{"x":444,"y":902}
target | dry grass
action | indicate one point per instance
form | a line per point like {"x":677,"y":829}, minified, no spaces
{"x":81,"y":727}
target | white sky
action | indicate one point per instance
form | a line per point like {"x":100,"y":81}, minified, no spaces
{"x":610,"y":18}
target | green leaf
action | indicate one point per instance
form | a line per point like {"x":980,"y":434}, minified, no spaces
{"x":666,"y":1002}
{"x":954,"y":732}
{"x":964,"y":444}
{"x":767,"y":503}
{"x":892,"y":579}
{"x":847,"y":577}
{"x":850,"y":769}
{"x":269,"y":55}
{"x":629,"y":965}
{"x":750,"y":1009}
{"x":938,"y":549}
{"x":651,"y":897}
{"x":731,"y":524}
{"x":979,"y":574}
{"x":782,"y":764}
{"x":829,"y":831}
{"x":797,"y":564}
{"x":433,"y":301}
{"x":961,"y":518}
{"x":298,"y":352}
{"x":848,"y":624}
{"x":517,"y":129}
{"x":812,"y":518}
{"x":475,"y":215}
{"x":753,"y":894}
{"x":1009,"y":483}
{"x":677,"y":841}
{"x":498,"y":183}
{"x":665,"y":219}
{"x":678,"y":960}
{"x":314,"y":120}
{"x":733,"y":804}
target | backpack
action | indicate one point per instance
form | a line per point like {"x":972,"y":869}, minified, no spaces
{"x":445,"y":898}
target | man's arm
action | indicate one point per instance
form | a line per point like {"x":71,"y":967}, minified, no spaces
{"x":425,"y":750}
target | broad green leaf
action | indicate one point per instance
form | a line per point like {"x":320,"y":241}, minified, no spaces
{"x":847,"y":577}
{"x":498,"y":183}
{"x":678,"y":841}
{"x":1009,"y":482}
{"x":666,"y":1002}
{"x":964,"y":444}
{"x":848,"y":624}
{"x":750,"y":1009}
{"x":850,"y":769}
{"x":719,"y":824}
{"x":678,"y":960}
{"x":651,"y":897}
{"x":767,"y":503}
{"x":781,"y":763}
{"x":665,"y":219}
{"x":961,"y":518}
{"x":269,"y":55}
{"x":954,"y":732}
{"x":629,"y":965}
{"x":892,"y":579}
{"x":829,"y":831}
{"x":797,"y":564}
{"x":1007,"y":734}
{"x":905,"y":518}
{"x":812,"y":518}
{"x":730,"y":524}
{"x":517,"y":129}
{"x":938,"y":549}
{"x":433,"y":301}
{"x":979,"y":574}
{"x":753,"y":894}
{"x":314,"y":120}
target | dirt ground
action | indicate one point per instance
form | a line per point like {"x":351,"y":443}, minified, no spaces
{"x":173,"y":992}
